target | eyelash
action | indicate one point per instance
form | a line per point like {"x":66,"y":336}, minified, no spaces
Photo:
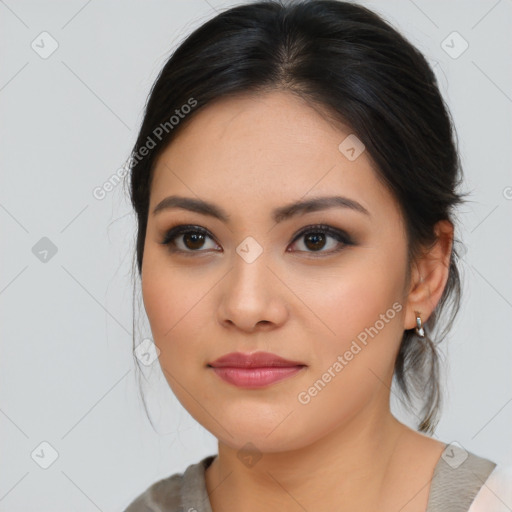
{"x":339,"y":235}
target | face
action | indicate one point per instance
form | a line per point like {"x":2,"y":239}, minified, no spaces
{"x":323,"y":286}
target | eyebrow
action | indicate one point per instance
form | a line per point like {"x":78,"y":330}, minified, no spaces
{"x":279,"y":214}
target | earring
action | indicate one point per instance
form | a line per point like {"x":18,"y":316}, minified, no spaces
{"x":420,"y":331}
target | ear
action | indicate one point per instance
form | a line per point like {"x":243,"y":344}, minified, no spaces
{"x":429,"y":275}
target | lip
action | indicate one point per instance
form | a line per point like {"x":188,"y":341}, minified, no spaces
{"x":254,"y":360}
{"x":254,"y":370}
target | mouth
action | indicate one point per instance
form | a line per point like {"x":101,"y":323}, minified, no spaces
{"x":255,"y":370}
{"x":252,"y":378}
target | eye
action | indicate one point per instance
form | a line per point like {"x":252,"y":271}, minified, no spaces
{"x":191,"y":239}
{"x":186,"y":239}
{"x":315,"y":238}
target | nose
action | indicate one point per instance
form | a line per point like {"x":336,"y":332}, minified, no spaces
{"x":252,"y":298}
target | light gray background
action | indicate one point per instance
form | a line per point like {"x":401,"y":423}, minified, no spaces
{"x":67,"y":374}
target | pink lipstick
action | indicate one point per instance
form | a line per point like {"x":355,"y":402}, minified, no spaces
{"x":255,"y":370}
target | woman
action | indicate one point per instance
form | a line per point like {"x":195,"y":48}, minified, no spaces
{"x":295,"y":179}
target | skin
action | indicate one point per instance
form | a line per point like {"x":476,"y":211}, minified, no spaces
{"x":249,"y":155}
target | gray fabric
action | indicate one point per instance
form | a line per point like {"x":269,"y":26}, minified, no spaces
{"x":178,"y":493}
{"x":455,"y":483}
{"x":458,"y":476}
{"x":195,"y":495}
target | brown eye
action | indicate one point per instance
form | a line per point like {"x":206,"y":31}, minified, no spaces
{"x":187,"y":239}
{"x":315,"y":241}
{"x":316,"y":238}
{"x":193,"y":240}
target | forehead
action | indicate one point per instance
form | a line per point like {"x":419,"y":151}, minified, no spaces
{"x":271,"y":148}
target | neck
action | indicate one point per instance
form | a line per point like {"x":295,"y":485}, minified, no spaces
{"x":348,"y":465}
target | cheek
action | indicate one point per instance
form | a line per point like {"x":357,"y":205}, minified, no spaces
{"x":361,"y":310}
{"x":158,"y":295}
{"x":178,"y":304}
{"x":353,"y":296}
{"x":169,"y":298}
{"x":176,"y":315}
{"x":165,"y":289}
{"x":353,"y":366}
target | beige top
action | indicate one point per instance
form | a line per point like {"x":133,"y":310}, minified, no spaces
{"x":458,"y":477}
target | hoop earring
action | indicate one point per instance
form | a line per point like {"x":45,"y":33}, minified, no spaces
{"x":420,"y":331}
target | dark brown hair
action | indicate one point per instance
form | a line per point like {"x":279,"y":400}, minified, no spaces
{"x":346,"y":59}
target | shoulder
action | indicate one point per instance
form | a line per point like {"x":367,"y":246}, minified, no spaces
{"x":458,"y":477}
{"x":495,"y":494}
{"x":173,"y":493}
{"x":164,"y":495}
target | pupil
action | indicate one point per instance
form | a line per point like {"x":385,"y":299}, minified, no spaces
{"x":315,"y":237}
{"x":196,"y":239}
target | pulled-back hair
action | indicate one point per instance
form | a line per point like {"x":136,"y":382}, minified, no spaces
{"x":361,"y":72}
